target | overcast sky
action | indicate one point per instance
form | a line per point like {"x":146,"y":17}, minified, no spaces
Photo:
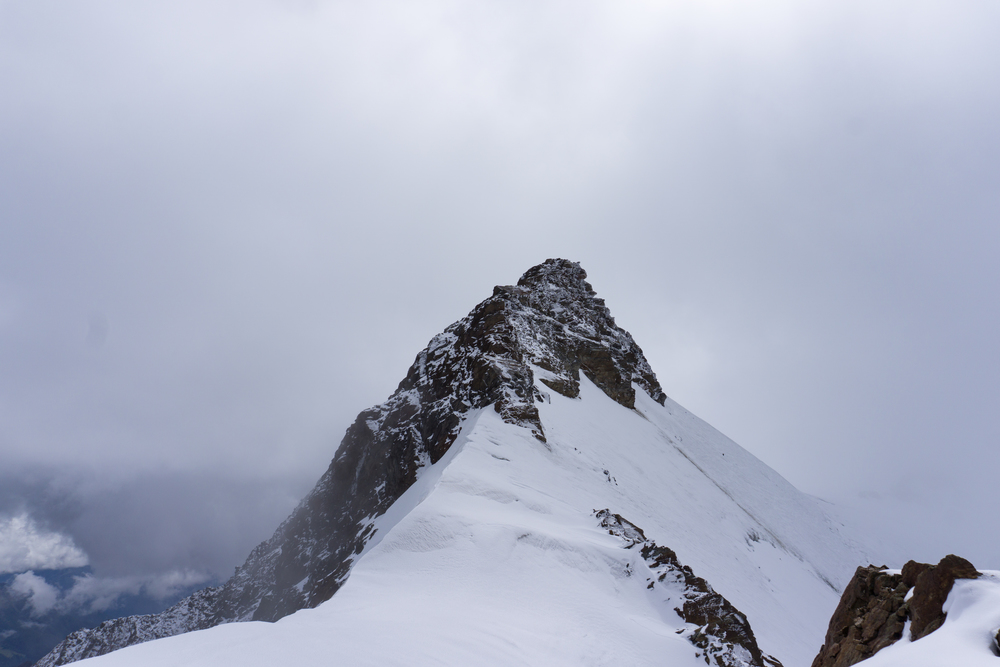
{"x":228,"y":227}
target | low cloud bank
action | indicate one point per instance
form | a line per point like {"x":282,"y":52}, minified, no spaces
{"x":26,"y":546}
{"x":92,"y":594}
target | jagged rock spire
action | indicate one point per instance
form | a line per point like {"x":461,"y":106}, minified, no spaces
{"x":551,"y":324}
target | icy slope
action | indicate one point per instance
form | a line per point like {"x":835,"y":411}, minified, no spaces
{"x":495,"y":555}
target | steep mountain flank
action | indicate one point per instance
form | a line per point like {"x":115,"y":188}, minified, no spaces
{"x":551,"y":324}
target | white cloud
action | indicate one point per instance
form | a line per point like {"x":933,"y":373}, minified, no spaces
{"x":26,"y":546}
{"x":171,"y":583}
{"x":99,"y":593}
{"x":42,"y":596}
{"x":90,"y":593}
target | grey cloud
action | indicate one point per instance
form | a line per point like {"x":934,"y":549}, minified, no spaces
{"x":230,"y":227}
{"x":90,"y":594}
{"x":144,"y":524}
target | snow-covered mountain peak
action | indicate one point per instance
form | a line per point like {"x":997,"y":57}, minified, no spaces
{"x":551,"y":324}
{"x":475,"y":486}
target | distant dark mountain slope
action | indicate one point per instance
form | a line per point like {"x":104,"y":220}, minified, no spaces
{"x":27,"y":636}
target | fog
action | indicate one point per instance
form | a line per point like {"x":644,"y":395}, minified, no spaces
{"x":226,"y":228}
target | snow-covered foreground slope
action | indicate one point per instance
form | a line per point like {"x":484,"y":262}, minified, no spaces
{"x":495,"y":556}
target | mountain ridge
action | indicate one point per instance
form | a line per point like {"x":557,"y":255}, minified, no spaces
{"x":497,"y":555}
{"x":551,"y":323}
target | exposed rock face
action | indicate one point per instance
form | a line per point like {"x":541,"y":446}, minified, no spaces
{"x":873,"y":610}
{"x":551,"y":323}
{"x":871,"y":615}
{"x":722,"y":634}
{"x":931,"y":587}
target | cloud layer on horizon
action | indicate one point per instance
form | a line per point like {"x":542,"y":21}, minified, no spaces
{"x":229,"y":227}
{"x":90,"y":594}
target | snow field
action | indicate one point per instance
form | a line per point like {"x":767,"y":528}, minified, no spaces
{"x":494,"y":556}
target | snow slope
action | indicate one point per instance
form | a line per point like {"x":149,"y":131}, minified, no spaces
{"x":495,"y":556}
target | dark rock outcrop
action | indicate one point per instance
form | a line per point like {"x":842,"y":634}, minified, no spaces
{"x":722,"y":633}
{"x":551,"y":324}
{"x":871,"y":615}
{"x":931,"y":588}
{"x":873,"y":610}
